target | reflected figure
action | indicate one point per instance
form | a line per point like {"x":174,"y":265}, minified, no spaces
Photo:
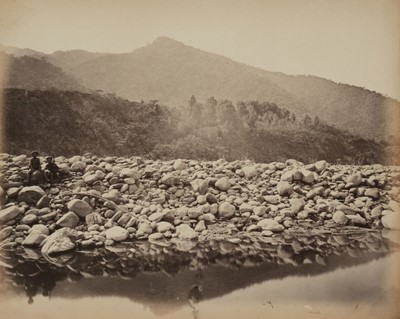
{"x":194,"y":296}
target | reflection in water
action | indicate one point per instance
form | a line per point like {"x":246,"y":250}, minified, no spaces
{"x":182,"y":274}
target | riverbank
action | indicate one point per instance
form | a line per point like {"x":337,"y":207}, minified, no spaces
{"x":104,"y":201}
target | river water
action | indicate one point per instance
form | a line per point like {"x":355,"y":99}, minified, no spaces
{"x":326,"y":276}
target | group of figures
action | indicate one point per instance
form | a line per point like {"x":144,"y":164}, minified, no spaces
{"x":51,"y":172}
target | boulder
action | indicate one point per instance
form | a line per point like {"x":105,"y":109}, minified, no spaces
{"x":250,"y":171}
{"x":78,"y":166}
{"x":117,"y":233}
{"x":372,"y":192}
{"x":226,"y":210}
{"x":287,"y":176}
{"x":79,"y":207}
{"x":195,"y":212}
{"x":271,"y":225}
{"x":201,"y":225}
{"x":357,"y":220}
{"x":320,"y":166}
{"x":223,"y":184}
{"x":9,"y":213}
{"x":43,"y":202}
{"x":354,"y":180}
{"x":39,"y":228}
{"x":93,"y":177}
{"x":308,"y":176}
{"x":29,"y":219}
{"x":34,"y":239}
{"x":184,"y":231}
{"x":170,"y":179}
{"x":391,"y":221}
{"x":93,"y":218}
{"x":162,"y":227}
{"x":156,"y":217}
{"x":130,"y":173}
{"x":284,"y":188}
{"x":70,"y":220}
{"x":5,"y":232}
{"x":61,"y":241}
{"x":259,"y":210}
{"x":245,"y":207}
{"x":31,"y":194}
{"x":296,"y":205}
{"x":112,"y":195}
{"x":179,"y":165}
{"x":340,"y":218}
{"x":272,"y":199}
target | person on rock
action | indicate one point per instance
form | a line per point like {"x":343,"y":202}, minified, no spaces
{"x":52,"y":169}
{"x":35,"y":165}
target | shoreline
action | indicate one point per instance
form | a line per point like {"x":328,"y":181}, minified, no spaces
{"x":104,"y":201}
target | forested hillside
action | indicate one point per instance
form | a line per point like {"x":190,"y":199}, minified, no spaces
{"x":29,"y":73}
{"x":68,"y":123}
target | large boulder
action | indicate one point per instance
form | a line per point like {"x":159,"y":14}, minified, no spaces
{"x":61,"y":241}
{"x":112,"y":195}
{"x":284,"y":188}
{"x":9,"y":213}
{"x":90,"y":178}
{"x":79,"y":207}
{"x":340,"y":218}
{"x":391,"y":221}
{"x":250,"y":171}
{"x":354,"y":180}
{"x":170,"y":179}
{"x":308,"y":176}
{"x":130,"y":173}
{"x":162,"y":227}
{"x":184,"y":231}
{"x":226,"y":210}
{"x":117,"y":233}
{"x":30,"y":194}
{"x":180,"y":165}
{"x":195,"y":212}
{"x":297,"y":204}
{"x":40,"y":228}
{"x":223,"y":184}
{"x":6,"y":232}
{"x":78,"y":166}
{"x":271,"y":225}
{"x":70,"y":220}
{"x":34,"y":238}
{"x":320,"y":166}
{"x":272,"y":199}
{"x":93,"y":218}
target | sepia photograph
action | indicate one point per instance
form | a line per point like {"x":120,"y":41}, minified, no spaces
{"x":198,"y":159}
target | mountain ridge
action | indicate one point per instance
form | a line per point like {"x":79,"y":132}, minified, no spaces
{"x":171,"y":71}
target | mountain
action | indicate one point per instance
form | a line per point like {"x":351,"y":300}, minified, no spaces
{"x":70,"y":122}
{"x":73,"y":58}
{"x":171,"y":72}
{"x":18,"y":52}
{"x":28,"y":72}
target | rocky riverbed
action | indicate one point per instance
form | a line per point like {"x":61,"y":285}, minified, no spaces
{"x":104,"y":201}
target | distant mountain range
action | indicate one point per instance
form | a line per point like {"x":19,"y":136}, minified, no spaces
{"x":167,"y":72}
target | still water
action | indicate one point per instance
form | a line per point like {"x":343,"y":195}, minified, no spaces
{"x":329,"y":276}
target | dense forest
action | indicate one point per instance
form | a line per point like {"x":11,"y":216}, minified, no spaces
{"x":70,"y":122}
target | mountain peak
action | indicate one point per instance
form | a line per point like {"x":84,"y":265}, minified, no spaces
{"x":164,"y":41}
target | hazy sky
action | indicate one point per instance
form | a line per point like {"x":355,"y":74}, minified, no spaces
{"x":349,"y":41}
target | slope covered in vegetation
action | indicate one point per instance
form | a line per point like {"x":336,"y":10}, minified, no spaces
{"x":68,"y":123}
